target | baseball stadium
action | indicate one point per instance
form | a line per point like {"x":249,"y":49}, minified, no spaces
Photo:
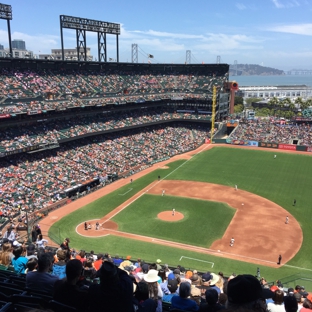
{"x":148,"y":161}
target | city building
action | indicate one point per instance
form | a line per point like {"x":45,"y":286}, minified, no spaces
{"x":299,"y":72}
{"x":69,"y":54}
{"x":267,"y":92}
{"x":16,"y":53}
{"x":18,"y":44}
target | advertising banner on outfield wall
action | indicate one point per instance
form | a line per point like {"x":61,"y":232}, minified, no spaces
{"x":268,"y":145}
{"x":301,"y":148}
{"x":252,"y":143}
{"x":289,"y":147}
{"x":236,"y":142}
{"x":309,"y":149}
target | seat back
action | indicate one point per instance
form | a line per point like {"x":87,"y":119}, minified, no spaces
{"x":60,"y":307}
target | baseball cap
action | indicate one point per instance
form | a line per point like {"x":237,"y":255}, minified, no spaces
{"x":206,"y":277}
{"x":171,"y":276}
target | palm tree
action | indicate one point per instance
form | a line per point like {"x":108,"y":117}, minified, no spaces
{"x":292,"y":107}
{"x":273,"y":102}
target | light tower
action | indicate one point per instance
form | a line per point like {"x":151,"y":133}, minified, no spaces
{"x":6,"y":13}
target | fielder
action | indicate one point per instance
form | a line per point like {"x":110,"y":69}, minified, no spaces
{"x":163,"y":193}
{"x":287,"y":220}
{"x":173,"y":211}
{"x":235,"y":187}
{"x":232,"y":242}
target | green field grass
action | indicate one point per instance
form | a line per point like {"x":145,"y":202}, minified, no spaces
{"x":281,"y":180}
{"x":199,"y":216}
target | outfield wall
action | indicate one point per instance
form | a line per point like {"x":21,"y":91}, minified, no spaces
{"x":271,"y":145}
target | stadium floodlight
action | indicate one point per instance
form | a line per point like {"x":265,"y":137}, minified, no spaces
{"x":82,"y":25}
{"x":5,"y":11}
{"x":6,"y":14}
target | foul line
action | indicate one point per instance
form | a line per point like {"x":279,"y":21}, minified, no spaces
{"x":212,"y":263}
{"x":156,"y":183}
{"x":295,"y":267}
{"x":126,"y":192}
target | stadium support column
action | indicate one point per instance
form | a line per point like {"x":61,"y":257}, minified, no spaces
{"x":6,"y":14}
{"x":102,"y":50}
{"x":117,"y":48}
{"x":214,"y":104}
{"x":10,"y":41}
{"x":233,"y":86}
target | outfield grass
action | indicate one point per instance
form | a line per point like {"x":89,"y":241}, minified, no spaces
{"x":281,"y":180}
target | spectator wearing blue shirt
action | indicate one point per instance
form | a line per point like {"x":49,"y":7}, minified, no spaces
{"x":19,"y":262}
{"x":183,"y":302}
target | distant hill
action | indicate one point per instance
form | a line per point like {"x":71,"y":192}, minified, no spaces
{"x":253,"y":69}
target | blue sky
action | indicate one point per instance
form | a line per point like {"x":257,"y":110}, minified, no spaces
{"x":275,"y":33}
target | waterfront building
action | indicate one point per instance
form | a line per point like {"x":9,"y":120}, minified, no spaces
{"x":267,"y":92}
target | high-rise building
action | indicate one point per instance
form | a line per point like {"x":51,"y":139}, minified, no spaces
{"x":1,"y":47}
{"x":18,"y":44}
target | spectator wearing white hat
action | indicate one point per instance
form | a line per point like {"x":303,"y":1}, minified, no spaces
{"x":154,"y":289}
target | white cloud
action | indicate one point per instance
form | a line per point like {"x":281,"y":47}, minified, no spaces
{"x":167,"y":34}
{"x":36,"y":43}
{"x":298,"y":29}
{"x":286,"y":4}
{"x":240,"y":6}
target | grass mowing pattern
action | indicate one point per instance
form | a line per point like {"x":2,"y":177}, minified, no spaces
{"x":199,"y":215}
{"x":281,"y":180}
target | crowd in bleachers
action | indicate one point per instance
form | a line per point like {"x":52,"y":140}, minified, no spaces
{"x":50,"y":132}
{"x":113,"y":86}
{"x":64,"y":278}
{"x":269,"y":130}
{"x":34,"y":181}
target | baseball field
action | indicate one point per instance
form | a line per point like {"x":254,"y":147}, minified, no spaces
{"x":208,"y":212}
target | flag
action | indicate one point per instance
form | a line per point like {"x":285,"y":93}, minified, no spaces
{"x":150,"y":56}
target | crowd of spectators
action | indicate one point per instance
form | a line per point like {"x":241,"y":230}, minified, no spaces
{"x":50,"y":132}
{"x":87,"y":281}
{"x":33,"y":181}
{"x":269,"y":130}
{"x":56,"y":87}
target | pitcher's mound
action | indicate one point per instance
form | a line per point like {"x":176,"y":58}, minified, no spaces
{"x":167,"y":216}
